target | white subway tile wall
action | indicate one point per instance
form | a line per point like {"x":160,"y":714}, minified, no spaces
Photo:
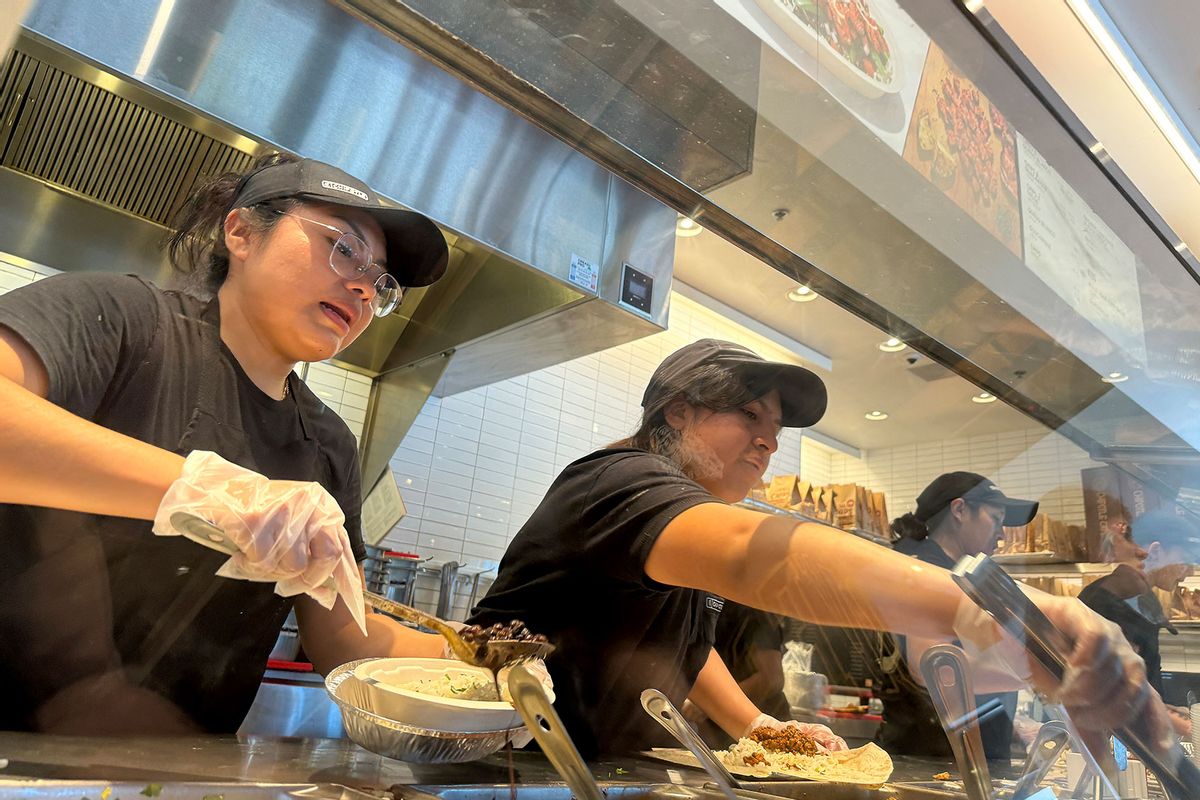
{"x":344,"y":391}
{"x":475,"y":465}
{"x":1032,"y":464}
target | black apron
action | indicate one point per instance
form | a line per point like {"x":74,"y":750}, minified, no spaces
{"x":118,"y":597}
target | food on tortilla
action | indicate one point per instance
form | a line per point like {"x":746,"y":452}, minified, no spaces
{"x":798,"y":755}
{"x":788,"y":739}
{"x":942,"y":776}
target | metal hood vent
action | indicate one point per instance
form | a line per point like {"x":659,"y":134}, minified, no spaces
{"x":553,"y":257}
{"x":66,"y":130}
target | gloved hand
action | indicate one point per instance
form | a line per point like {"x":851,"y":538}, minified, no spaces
{"x":289,"y":532}
{"x":824,"y":737}
{"x":1104,"y":685}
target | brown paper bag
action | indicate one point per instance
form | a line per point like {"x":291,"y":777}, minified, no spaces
{"x":781,"y":493}
{"x":845,"y":505}
{"x":824,"y":504}
{"x":805,"y":505}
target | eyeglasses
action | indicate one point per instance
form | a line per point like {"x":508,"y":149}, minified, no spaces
{"x":351,"y":258}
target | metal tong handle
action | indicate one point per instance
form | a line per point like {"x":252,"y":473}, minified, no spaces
{"x":1051,"y":739}
{"x":944,"y":669}
{"x":547,"y":728}
{"x":663,"y":711}
{"x":204,"y":533}
{"x":995,"y":592}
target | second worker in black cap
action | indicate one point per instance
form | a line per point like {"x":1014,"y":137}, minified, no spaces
{"x":958,"y":514}
{"x":626,"y":561}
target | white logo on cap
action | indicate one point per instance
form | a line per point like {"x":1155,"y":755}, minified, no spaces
{"x":341,"y":187}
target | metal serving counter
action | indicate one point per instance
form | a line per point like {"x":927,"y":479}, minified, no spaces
{"x":202,"y":763}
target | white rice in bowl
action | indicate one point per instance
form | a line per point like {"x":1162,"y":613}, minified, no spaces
{"x":456,"y":685}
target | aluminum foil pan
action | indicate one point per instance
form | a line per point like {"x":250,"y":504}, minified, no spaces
{"x":405,"y":742}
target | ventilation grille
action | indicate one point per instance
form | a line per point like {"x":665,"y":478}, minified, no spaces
{"x":74,"y":134}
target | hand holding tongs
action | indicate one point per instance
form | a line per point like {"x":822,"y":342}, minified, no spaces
{"x":996,"y":593}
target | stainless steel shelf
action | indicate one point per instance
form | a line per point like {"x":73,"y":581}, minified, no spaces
{"x":1065,"y":569}
{"x":767,"y":508}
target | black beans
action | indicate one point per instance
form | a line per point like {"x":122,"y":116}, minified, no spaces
{"x":513,"y":631}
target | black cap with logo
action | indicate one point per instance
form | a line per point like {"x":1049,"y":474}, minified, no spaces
{"x":802,"y":394}
{"x":416,"y":248}
{"x":974,"y":489}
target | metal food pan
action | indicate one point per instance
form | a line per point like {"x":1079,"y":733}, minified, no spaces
{"x":141,"y":790}
{"x":792,"y":790}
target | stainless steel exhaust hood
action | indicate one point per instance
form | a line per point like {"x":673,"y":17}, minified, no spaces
{"x":108,"y":123}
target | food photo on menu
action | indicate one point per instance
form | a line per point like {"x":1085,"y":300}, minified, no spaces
{"x":867,"y":54}
{"x":962,"y":144}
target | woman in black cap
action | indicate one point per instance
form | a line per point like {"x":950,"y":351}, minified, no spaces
{"x":626,"y":561}
{"x":126,"y":403}
{"x":959,"y":514}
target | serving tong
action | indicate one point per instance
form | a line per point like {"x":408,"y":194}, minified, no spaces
{"x":547,"y":728}
{"x":663,"y":711}
{"x":944,"y":668}
{"x":493,"y":654}
{"x":997,"y":593}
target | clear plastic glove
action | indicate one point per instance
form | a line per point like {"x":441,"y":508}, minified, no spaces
{"x":824,"y":737}
{"x":1104,"y":686}
{"x":291,"y":533}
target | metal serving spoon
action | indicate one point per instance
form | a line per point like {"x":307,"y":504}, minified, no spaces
{"x":493,"y":654}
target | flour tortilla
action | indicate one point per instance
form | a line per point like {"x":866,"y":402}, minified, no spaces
{"x":868,"y":765}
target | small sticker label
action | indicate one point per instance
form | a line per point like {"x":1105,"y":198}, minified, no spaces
{"x":341,"y":187}
{"x":583,"y":273}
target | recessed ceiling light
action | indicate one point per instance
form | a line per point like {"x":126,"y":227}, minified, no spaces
{"x":876,"y":416}
{"x":1115,"y":377}
{"x":892,"y":345}
{"x":801,"y":294}
{"x":686,"y":226}
{"x":983,"y":397}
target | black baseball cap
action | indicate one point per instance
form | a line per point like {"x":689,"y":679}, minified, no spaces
{"x":416,"y":248}
{"x":802,"y":394}
{"x":975,"y":489}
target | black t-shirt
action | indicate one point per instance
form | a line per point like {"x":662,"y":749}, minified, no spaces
{"x":1140,"y":625}
{"x":576,"y":572}
{"x":85,"y":592}
{"x":910,"y":722}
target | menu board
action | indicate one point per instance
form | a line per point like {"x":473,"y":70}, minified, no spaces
{"x":962,"y":144}
{"x":877,"y":63}
{"x":1070,"y":248}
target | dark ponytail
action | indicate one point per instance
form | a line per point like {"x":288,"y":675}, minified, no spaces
{"x":711,"y":386}
{"x":196,"y":244}
{"x":909,"y":527}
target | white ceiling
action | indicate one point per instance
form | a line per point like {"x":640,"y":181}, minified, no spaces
{"x":863,"y":378}
{"x":1162,"y":34}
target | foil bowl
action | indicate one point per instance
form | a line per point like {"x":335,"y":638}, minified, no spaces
{"x":394,"y":739}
